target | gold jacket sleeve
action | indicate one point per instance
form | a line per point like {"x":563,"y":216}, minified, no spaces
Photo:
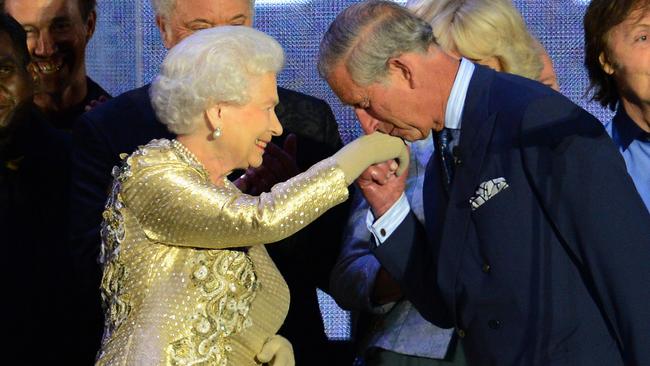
{"x":177,"y":205}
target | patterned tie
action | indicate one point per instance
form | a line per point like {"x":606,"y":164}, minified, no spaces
{"x":446,"y":141}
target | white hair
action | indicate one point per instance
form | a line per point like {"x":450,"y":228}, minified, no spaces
{"x":211,"y":66}
{"x":164,"y":8}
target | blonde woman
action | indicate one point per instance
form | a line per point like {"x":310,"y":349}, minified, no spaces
{"x":487,"y":32}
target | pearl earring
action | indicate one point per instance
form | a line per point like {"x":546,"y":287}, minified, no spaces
{"x":216,"y":133}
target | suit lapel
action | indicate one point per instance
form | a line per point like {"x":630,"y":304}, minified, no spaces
{"x":476,"y":131}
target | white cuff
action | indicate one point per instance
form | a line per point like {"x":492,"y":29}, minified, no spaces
{"x":388,"y":222}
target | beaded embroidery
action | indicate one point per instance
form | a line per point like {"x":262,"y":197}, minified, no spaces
{"x":229,"y":284}
{"x":116,"y":304}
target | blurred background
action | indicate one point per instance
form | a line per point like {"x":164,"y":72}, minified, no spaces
{"x":126,"y":52}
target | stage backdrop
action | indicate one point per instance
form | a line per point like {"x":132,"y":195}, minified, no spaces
{"x":126,"y":52}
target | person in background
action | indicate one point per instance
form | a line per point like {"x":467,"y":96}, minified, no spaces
{"x":58,"y":32}
{"x":187,"y":279}
{"x":123,"y":123}
{"x":487,"y":32}
{"x":617,"y":58}
{"x":524,"y":188}
{"x":491,"y":33}
{"x":33,"y":181}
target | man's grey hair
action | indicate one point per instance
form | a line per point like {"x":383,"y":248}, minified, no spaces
{"x":366,"y":35}
{"x":209,"y":67}
{"x":164,"y":8}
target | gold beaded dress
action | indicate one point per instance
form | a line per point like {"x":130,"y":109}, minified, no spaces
{"x":187,"y":280}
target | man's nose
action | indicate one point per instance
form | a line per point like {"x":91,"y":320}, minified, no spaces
{"x":368,"y":124}
{"x":45,"y":45}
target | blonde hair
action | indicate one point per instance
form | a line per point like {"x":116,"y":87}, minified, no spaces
{"x":479,"y":29}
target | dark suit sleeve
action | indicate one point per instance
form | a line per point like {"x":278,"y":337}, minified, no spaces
{"x":582,"y":183}
{"x":329,"y":228}
{"x":332,"y":136}
{"x":313,"y":122}
{"x":407,"y":256}
{"x":91,"y":178}
{"x":353,"y":278}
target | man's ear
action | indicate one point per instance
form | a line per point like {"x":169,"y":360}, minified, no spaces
{"x":91,"y":22}
{"x":402,"y":67}
{"x":165,"y":32}
{"x":605,"y":64}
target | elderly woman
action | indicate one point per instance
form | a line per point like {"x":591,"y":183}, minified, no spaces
{"x":488,"y":32}
{"x":187,"y":280}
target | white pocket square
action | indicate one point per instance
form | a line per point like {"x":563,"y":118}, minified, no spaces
{"x":487,"y":190}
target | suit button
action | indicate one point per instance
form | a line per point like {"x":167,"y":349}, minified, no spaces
{"x":486,"y":268}
{"x":382,"y":232}
{"x":494,"y":324}
{"x":461,"y":333}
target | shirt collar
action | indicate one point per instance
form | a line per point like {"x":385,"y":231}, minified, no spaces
{"x":456,"y":101}
{"x":625,"y":131}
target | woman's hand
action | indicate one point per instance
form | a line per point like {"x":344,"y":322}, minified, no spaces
{"x":277,"y":351}
{"x":371,"y":149}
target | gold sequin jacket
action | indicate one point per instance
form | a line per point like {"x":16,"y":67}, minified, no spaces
{"x":173,"y":293}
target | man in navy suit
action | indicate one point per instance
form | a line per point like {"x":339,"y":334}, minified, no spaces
{"x":120,"y":125}
{"x":536,"y":245}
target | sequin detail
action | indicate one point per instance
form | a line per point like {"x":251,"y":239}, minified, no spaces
{"x":228,"y":285}
{"x":116,"y":304}
{"x":186,"y":281}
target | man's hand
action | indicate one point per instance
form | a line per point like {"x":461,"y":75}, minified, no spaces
{"x":277,"y":351}
{"x":381,"y":186}
{"x":278,"y":165}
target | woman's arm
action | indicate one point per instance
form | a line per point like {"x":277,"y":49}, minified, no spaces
{"x":175,"y":205}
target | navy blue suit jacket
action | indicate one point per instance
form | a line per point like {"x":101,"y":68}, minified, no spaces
{"x":304,"y":259}
{"x":555,"y":269}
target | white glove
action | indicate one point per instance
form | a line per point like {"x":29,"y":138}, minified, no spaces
{"x":277,"y":351}
{"x":371,"y":149}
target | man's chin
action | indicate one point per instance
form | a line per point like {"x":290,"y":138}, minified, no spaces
{"x":410,"y":135}
{"x":49,"y":84}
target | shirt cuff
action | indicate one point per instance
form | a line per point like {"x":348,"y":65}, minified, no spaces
{"x":388,"y":222}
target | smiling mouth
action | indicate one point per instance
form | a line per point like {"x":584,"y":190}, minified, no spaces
{"x":261,"y":144}
{"x":48,"y":67}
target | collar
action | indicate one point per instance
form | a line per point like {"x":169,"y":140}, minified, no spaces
{"x":456,"y":101}
{"x":625,"y":130}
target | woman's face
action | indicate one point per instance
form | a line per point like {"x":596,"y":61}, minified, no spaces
{"x":248,"y":128}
